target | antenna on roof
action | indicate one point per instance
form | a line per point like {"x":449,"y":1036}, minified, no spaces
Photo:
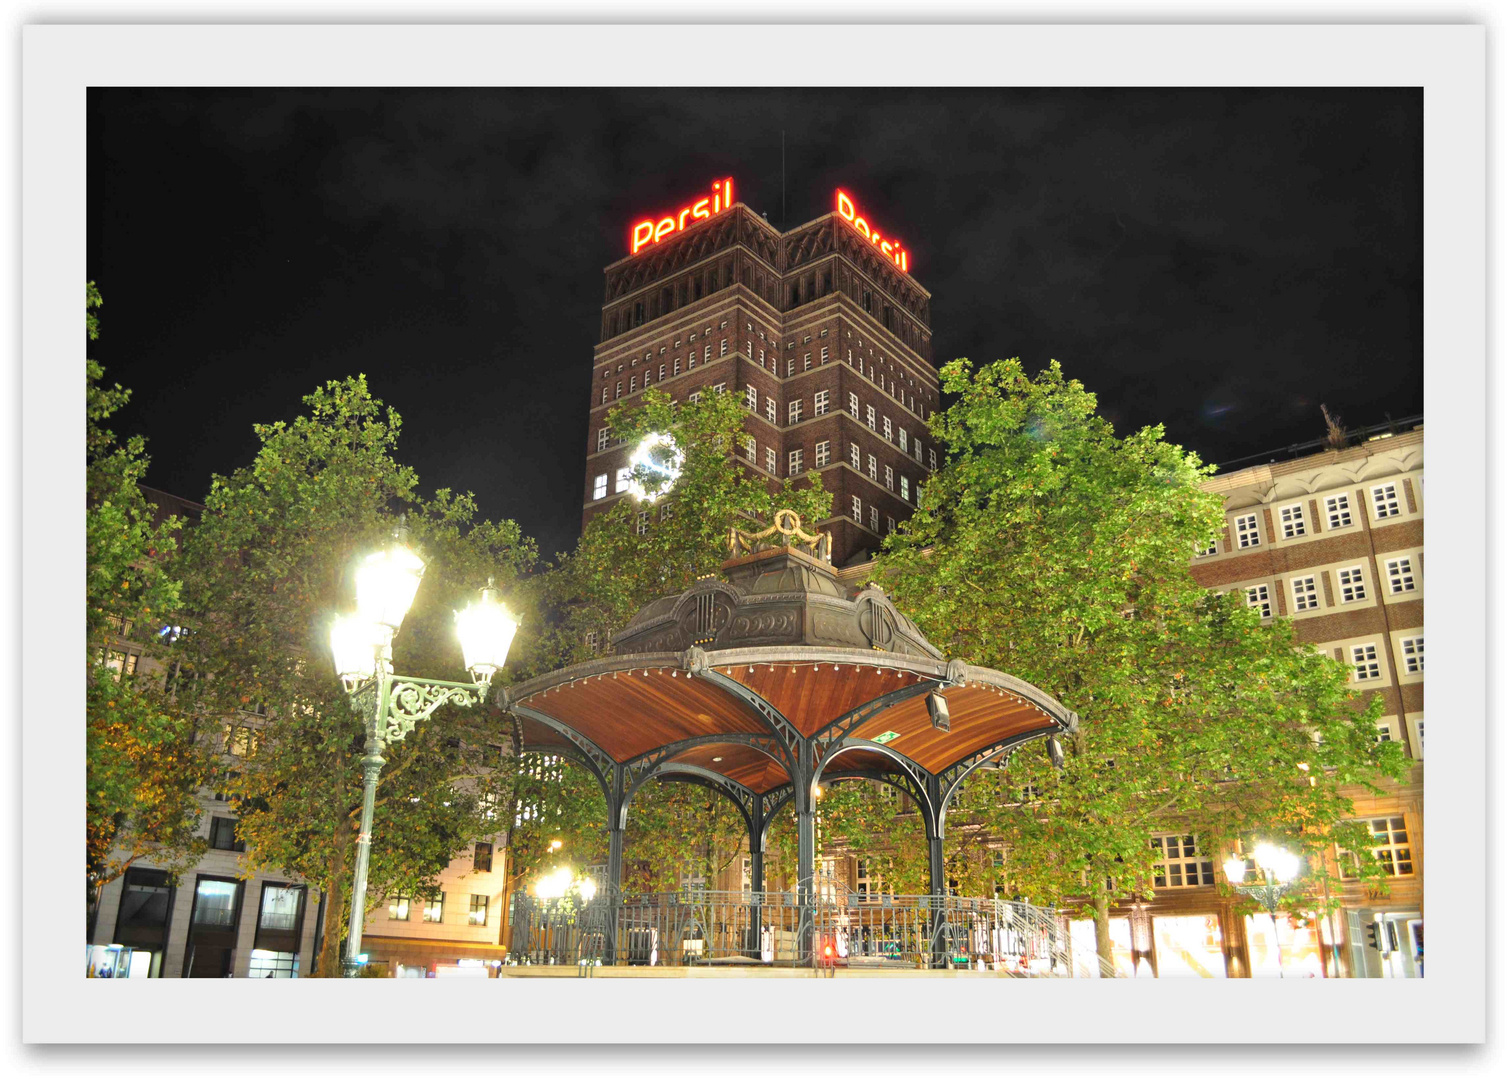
{"x":782,"y":178}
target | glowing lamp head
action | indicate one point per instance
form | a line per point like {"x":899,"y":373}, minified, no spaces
{"x":556,"y":845}
{"x":354,"y":643}
{"x":1235,"y":869}
{"x":655,"y":466}
{"x":1281,"y":863}
{"x":587,"y":888}
{"x":486,"y":631}
{"x":386,"y":582}
{"x":553,"y":885}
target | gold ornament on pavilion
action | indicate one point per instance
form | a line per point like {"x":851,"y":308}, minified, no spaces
{"x":787,"y":525}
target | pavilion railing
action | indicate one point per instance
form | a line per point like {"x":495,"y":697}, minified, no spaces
{"x":838,"y":929}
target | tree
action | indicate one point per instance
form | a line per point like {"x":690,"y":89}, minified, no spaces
{"x":1052,"y":549}
{"x":263,"y":573}
{"x":143,"y":767}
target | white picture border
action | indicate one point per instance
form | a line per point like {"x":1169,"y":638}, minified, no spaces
{"x":59,"y":1005}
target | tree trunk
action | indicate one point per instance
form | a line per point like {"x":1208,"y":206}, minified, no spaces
{"x":1102,"y":932}
{"x":335,"y":904}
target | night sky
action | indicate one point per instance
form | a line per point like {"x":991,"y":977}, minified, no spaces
{"x":1222,"y":261}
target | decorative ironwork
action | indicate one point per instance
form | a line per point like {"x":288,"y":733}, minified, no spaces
{"x":819,"y":545}
{"x":696,"y":663}
{"x":597,"y":759}
{"x":952,"y":778}
{"x":412,"y":700}
{"x":840,"y":727}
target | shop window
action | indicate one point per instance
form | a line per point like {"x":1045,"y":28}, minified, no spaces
{"x":266,"y":964}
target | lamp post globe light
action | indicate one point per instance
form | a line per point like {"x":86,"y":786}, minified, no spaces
{"x":1279,"y":869}
{"x":362,"y":647}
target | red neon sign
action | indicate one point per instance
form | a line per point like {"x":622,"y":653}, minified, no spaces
{"x":650,"y":231}
{"x":891,"y":248}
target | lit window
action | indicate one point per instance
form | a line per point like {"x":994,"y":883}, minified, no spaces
{"x":769,"y":459}
{"x":853,"y":455}
{"x":1400,"y":575}
{"x":1390,"y":847}
{"x":599,"y":486}
{"x":1385,"y":501}
{"x":1305,"y":595}
{"x":751,"y":398}
{"x":1256,"y":597}
{"x":858,"y":512}
{"x":819,"y":403}
{"x":824,"y":453}
{"x":1413,"y":655}
{"x":477,"y":916}
{"x":1292,"y":518}
{"x":434,"y":907}
{"x":793,"y":464}
{"x":905,"y":489}
{"x":1353,"y":584}
{"x":1364,"y":661}
{"x":1178,"y":862}
{"x":621,"y":483}
{"x":793,"y":412}
{"x":1247,"y":534}
{"x":397,"y":908}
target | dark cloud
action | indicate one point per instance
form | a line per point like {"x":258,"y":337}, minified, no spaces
{"x":1221,"y":260}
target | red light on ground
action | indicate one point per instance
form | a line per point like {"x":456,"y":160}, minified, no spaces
{"x":891,"y":248}
{"x":651,"y":231}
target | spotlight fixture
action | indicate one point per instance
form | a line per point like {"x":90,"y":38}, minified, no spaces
{"x":937,"y":709}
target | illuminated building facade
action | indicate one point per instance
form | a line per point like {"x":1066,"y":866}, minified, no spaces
{"x":818,"y":331}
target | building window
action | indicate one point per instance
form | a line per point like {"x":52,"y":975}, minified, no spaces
{"x":885,"y":422}
{"x":1400,"y":575}
{"x":902,"y":433}
{"x":694,"y":396}
{"x":1292,"y":518}
{"x":481,"y":858}
{"x":1353,"y":585}
{"x":434,"y":907}
{"x":1413,"y":655}
{"x":853,"y":405}
{"x":589,"y":639}
{"x":1247,"y":534}
{"x":604,"y":396}
{"x":1419,"y":738}
{"x":751,"y":398}
{"x":122,"y":663}
{"x":857,"y":511}
{"x":1178,"y":862}
{"x":931,"y":458}
{"x":874,"y":469}
{"x":706,"y":352}
{"x":824,"y":453}
{"x":633,"y":384}
{"x":751,"y":448}
{"x":1364,"y":661}
{"x":853,"y":455}
{"x":1390,"y":847}
{"x":790,"y":366}
{"x":889,"y":478}
{"x":905,"y":489}
{"x":819,"y":403}
{"x":620,"y":485}
{"x":599,"y":486}
{"x":769,"y":459}
{"x":874,"y":518}
{"x":618,"y":390}
{"x":869,"y":416}
{"x":794,"y":463}
{"x":642,"y":525}
{"x":1385,"y":501}
{"x":806,"y":362}
{"x":722,"y":347}
{"x":720,"y":388}
{"x":397,"y":908}
{"x":222,"y":835}
{"x":1257,"y":597}
{"x":1338,"y":511}
{"x":1209,"y":548}
{"x":823,"y":358}
{"x":662,"y":373}
{"x":769,"y":409}
{"x":676,"y":366}
{"x":477,"y":916}
{"x":1305,"y":595}
{"x":793,"y":412}
{"x":279,"y":907}
{"x":889,"y":524}
{"x":215,"y":902}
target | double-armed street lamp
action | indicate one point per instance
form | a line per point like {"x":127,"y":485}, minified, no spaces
{"x":1279,"y":868}
{"x":362,"y":646}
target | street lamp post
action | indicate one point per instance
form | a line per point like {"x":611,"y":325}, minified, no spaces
{"x":392,"y":705}
{"x":1279,"y":868}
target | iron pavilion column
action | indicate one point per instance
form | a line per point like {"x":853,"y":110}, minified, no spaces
{"x":806,"y":842}
{"x":937,"y":874}
{"x":615,"y":823}
{"x":756,"y":878}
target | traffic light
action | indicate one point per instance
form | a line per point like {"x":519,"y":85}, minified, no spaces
{"x":1382,"y":936}
{"x":1372,"y":936}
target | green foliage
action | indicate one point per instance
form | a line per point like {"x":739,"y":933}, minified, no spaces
{"x":554,"y":799}
{"x":264,"y":573}
{"x":143,"y":769}
{"x":1053,"y":550}
{"x":677,"y":829}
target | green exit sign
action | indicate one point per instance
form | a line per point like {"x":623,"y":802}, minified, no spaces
{"x":885,"y":736}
